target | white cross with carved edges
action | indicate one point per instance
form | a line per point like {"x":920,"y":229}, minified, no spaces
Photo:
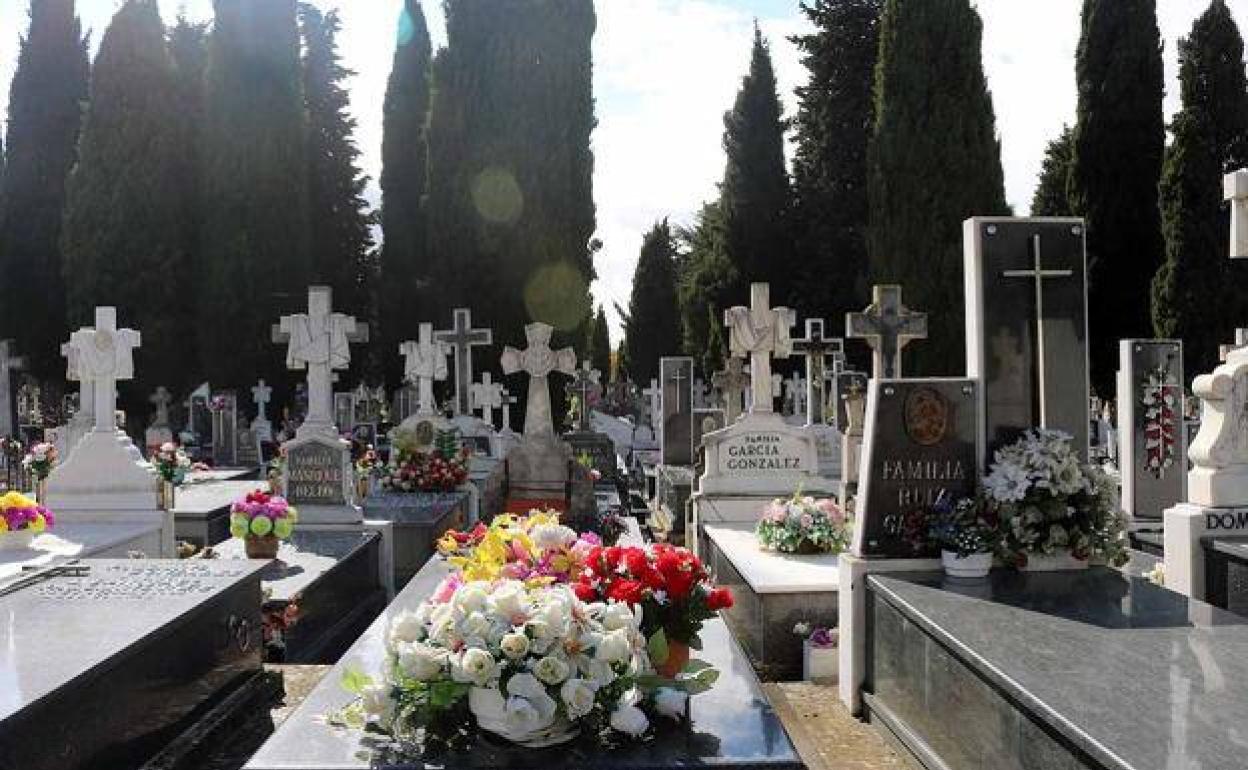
{"x":1235,"y":189}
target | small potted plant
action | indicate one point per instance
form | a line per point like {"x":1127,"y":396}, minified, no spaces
{"x":967,"y":534}
{"x":804,"y":525}
{"x":820,"y":653}
{"x":262,"y":521}
{"x":38,"y":462}
{"x":20,"y":520}
{"x":172,"y":464}
{"x":366,"y":469}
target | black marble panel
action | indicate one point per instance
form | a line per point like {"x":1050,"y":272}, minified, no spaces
{"x":733,"y":726}
{"x":1057,"y":670}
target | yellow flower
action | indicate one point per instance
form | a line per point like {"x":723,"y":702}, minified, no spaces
{"x":39,"y":524}
{"x":16,"y":500}
{"x":4,"y":525}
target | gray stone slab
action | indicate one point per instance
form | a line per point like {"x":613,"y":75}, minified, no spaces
{"x":419,"y":520}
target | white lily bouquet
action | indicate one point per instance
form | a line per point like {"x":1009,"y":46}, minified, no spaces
{"x":534,"y":665}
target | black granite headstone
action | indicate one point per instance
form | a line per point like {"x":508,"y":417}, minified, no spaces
{"x":676,"y":376}
{"x":920,"y":442}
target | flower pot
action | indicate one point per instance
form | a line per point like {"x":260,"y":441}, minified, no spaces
{"x":677,"y":657}
{"x":261,"y":547}
{"x":806,"y":548}
{"x":41,"y":491}
{"x":1056,"y":562}
{"x":820,"y":664}
{"x":972,"y":567}
{"x":16,"y":540}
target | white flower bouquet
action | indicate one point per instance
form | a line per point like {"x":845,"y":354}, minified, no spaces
{"x":534,"y":665}
{"x":1049,"y":502}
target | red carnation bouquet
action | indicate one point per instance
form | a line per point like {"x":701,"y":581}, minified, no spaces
{"x":671,"y":586}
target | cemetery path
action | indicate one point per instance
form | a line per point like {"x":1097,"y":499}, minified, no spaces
{"x":825,"y":735}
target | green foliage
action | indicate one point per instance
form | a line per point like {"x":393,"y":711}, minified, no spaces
{"x":338,"y":216}
{"x":934,"y":161}
{"x":598,"y":347}
{"x":124,"y":239}
{"x":1197,"y":292}
{"x":833,"y":131}
{"x":706,"y":280}
{"x":1118,"y":143}
{"x":404,"y":180}
{"x":652,"y":325}
{"x":1052,"y":197}
{"x":755,"y":197}
{"x":45,"y":116}
{"x":255,"y":232}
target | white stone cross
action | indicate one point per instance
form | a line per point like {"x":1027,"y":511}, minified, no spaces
{"x":507,"y":401}
{"x":103,"y":356}
{"x":1235,"y":188}
{"x":760,"y":332}
{"x":796,"y":392}
{"x":423,"y":362}
{"x":887,"y":326}
{"x":655,"y":394}
{"x":462,"y":338}
{"x":160,"y":399}
{"x":8,"y":363}
{"x":487,"y":396}
{"x":262,"y":394}
{"x":731,"y":382}
{"x":319,"y":341}
{"x":538,"y":361}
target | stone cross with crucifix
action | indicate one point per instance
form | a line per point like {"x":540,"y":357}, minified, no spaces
{"x":319,"y":341}
{"x":538,"y":361}
{"x":160,"y":399}
{"x":818,"y":349}
{"x":888,"y":326}
{"x":8,"y":363}
{"x":760,"y":332}
{"x":261,"y":395}
{"x":487,"y":396}
{"x":104,"y":355}
{"x":423,"y":362}
{"x":461,"y":338}
{"x":584,"y":386}
{"x":1235,"y":187}
{"x":732,"y":381}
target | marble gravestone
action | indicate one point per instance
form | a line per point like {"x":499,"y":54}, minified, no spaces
{"x":1151,"y":439}
{"x":261,"y":395}
{"x":105,"y":479}
{"x":344,"y":411}
{"x":732,"y":382}
{"x":920,"y":445}
{"x":1027,"y":327}
{"x":1235,"y":189}
{"x":198,"y":415}
{"x":158,"y":431}
{"x":851,"y":409}
{"x":676,"y":427}
{"x":9,"y":363}
{"x":225,"y":429}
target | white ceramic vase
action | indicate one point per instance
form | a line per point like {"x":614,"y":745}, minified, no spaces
{"x":820,"y":664}
{"x":1056,"y":562}
{"x":972,"y":567}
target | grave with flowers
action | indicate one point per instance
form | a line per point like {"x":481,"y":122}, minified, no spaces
{"x":531,"y":635}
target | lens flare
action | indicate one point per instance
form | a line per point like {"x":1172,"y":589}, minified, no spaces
{"x":497,"y":196}
{"x":557,"y":294}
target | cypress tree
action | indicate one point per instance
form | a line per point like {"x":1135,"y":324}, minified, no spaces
{"x":934,"y":160}
{"x":45,"y":116}
{"x":652,"y":327}
{"x":404,"y":180}
{"x":511,"y":168}
{"x":833,"y":131}
{"x":188,"y":47}
{"x":254,"y":236}
{"x":121,"y":237}
{"x":1118,"y":143}
{"x":1052,"y":196}
{"x":755,"y":197}
{"x":598,"y":347}
{"x":1196,"y":292}
{"x":337,"y":212}
{"x":707,"y":280}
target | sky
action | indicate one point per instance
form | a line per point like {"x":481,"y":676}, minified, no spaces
{"x":666,"y":70}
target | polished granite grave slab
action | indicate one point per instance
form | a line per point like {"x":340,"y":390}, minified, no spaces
{"x":201,"y":506}
{"x":733,"y":726}
{"x":99,"y":669}
{"x":1226,"y":573}
{"x":419,"y":519}
{"x":1056,"y":670}
{"x":773,"y":592}
{"x":78,"y":540}
{"x":331,"y":576}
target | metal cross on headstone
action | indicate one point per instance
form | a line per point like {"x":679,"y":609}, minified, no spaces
{"x":487,"y":396}
{"x":678,"y":377}
{"x":319,"y":341}
{"x":1235,"y":187}
{"x":507,"y":401}
{"x":584,"y":386}
{"x":760,"y":332}
{"x":1038,"y":274}
{"x":103,"y":356}
{"x":653,"y":394}
{"x":462,"y":338}
{"x":8,"y":363}
{"x":423,"y":362}
{"x":538,"y":361}
{"x":888,"y":326}
{"x":261,"y":394}
{"x":818,"y":350}
{"x":732,"y":382}
{"x":160,"y":399}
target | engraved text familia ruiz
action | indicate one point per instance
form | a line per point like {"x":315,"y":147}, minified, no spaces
{"x":920,"y":482}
